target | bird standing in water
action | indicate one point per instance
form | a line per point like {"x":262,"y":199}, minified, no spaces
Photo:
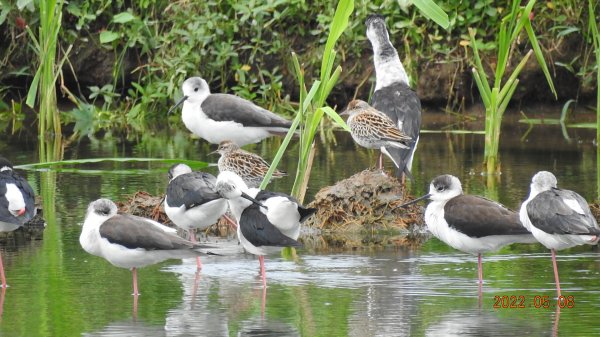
{"x":557,"y":218}
{"x":17,"y":203}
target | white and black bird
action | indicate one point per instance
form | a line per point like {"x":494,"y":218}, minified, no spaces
{"x":372,"y":129}
{"x":192,"y":202}
{"x":17,"y":203}
{"x":219,"y":117}
{"x":557,"y":218}
{"x":267,"y":221}
{"x":470,"y":223}
{"x":393,"y":94}
{"x":130,"y":241}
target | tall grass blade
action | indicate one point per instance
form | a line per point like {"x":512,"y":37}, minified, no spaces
{"x":432,"y":11}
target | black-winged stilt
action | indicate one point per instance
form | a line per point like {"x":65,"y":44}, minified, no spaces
{"x":372,"y":129}
{"x":191,"y":201}
{"x":219,"y":117}
{"x":267,"y":221}
{"x":557,"y":218}
{"x":132,"y":242}
{"x":393,"y":95}
{"x":249,"y":166}
{"x":470,"y":223}
{"x":17,"y":203}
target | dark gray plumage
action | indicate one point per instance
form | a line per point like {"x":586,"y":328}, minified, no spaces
{"x":192,"y":189}
{"x":225,"y":107}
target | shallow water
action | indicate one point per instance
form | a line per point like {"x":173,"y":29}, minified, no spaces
{"x":56,"y":289}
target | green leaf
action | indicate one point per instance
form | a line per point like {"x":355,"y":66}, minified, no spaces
{"x":540,"y":56}
{"x":340,"y":22}
{"x":123,"y":17}
{"x":108,"y":36}
{"x":33,"y":89}
{"x":432,"y":11}
{"x":336,"y":118}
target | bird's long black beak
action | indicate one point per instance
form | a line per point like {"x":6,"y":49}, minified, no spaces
{"x":247,"y":197}
{"x":426,"y":196}
{"x":177,"y":104}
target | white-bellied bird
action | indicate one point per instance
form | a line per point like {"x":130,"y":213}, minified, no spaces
{"x":557,"y":218}
{"x":470,"y":223}
{"x":192,"y":202}
{"x":267,"y":221}
{"x":17,"y":203}
{"x":220,"y":117}
{"x":130,"y":241}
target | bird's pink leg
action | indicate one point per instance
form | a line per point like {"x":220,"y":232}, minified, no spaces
{"x":231,"y":222}
{"x":381,"y":161}
{"x":261,"y":260}
{"x":555,"y":271}
{"x":192,"y":236}
{"x":480,"y":273}
{"x":135,"y":286}
{"x":2,"y":273}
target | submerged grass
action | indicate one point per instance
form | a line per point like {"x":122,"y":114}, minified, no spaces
{"x":596,"y":42}
{"x":194,"y":164}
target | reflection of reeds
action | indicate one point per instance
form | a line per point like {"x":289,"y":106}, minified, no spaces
{"x":312,"y":103}
{"x":496,"y":97}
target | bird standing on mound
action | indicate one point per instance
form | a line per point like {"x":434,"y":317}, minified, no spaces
{"x":220,"y":117}
{"x":249,"y":166}
{"x":372,"y":129}
{"x":557,"y":218}
{"x":17,"y":203}
{"x":267,"y":221}
{"x":130,"y":241}
{"x":393,"y":94}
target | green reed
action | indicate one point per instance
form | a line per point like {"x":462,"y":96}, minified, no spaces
{"x":44,"y":81}
{"x":496,"y":97}
{"x":312,"y":106}
{"x":593,"y":26}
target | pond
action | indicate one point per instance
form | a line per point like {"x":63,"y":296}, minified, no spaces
{"x":56,"y":289}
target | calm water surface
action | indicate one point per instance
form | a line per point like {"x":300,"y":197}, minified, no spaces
{"x":56,"y":289}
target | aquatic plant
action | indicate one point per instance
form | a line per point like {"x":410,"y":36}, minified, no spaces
{"x":497,"y":96}
{"x":596,"y":42}
{"x":44,"y":81}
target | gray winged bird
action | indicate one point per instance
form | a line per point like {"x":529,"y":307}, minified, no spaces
{"x":393,"y":95}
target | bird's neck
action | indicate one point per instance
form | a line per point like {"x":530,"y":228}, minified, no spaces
{"x":388,"y":68}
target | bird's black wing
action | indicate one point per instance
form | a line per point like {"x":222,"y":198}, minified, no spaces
{"x":478,"y":217}
{"x":135,"y":232}
{"x":225,"y":107}
{"x":401,"y":104}
{"x":192,"y":189}
{"x":11,"y":177}
{"x":257,"y":229}
{"x":549,"y":212}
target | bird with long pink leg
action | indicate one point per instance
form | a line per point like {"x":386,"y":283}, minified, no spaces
{"x":17,"y":203}
{"x":132,"y":242}
{"x":267,"y":221}
{"x":470,"y":223}
{"x":557,"y":218}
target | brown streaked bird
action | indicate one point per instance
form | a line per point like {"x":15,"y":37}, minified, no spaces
{"x":372,"y":129}
{"x":249,"y":166}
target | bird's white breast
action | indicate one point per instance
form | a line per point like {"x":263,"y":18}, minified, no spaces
{"x":283,"y":213}
{"x":15,"y":198}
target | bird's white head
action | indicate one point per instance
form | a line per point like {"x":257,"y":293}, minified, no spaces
{"x":444,"y":188}
{"x":229,"y":185}
{"x":102,"y":208}
{"x":177,"y":170}
{"x":542,"y":181}
{"x":195,"y":89}
{"x":5,"y":164}
{"x":377,"y":32}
